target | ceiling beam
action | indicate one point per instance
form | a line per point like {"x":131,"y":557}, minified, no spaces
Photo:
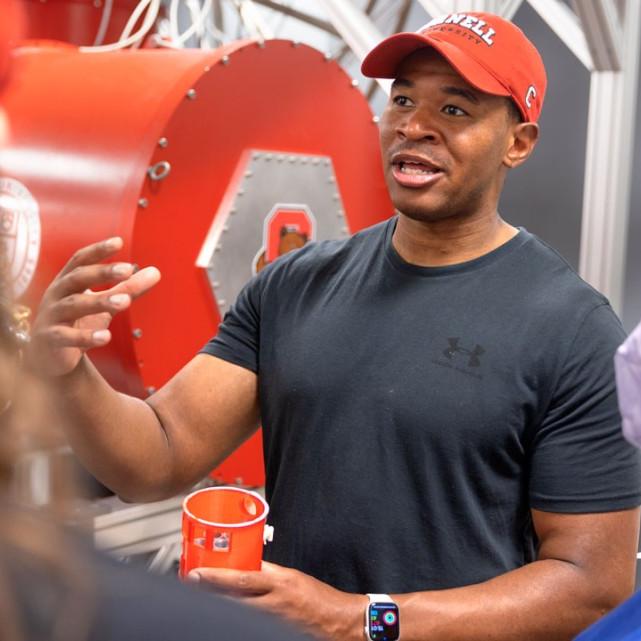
{"x":323,"y":25}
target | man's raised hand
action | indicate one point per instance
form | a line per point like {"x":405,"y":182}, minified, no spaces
{"x":72,"y":318}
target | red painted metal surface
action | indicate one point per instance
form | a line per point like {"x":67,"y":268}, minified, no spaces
{"x":76,"y":21}
{"x":86,"y":128}
{"x":11,"y":29}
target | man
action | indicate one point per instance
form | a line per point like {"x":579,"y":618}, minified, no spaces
{"x":436,"y":392}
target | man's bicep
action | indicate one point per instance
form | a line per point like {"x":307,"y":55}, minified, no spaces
{"x":207,"y":410}
{"x":603,"y":546}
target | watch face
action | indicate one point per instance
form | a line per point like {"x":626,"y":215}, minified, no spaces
{"x":383,"y":623}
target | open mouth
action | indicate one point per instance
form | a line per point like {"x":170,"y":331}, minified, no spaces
{"x":410,"y":168}
{"x":414,"y":172}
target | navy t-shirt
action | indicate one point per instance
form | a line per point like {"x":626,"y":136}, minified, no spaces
{"x":413,"y":415}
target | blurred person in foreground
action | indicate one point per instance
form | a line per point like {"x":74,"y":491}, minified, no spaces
{"x":436,"y":392}
{"x":53,"y":585}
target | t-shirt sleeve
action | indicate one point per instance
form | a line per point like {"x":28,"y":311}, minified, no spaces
{"x":580,"y":461}
{"x":237,"y":340}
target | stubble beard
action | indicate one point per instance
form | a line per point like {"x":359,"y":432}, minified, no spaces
{"x":462,"y":209}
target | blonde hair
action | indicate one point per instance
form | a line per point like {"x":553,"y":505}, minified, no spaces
{"x":32,"y":537}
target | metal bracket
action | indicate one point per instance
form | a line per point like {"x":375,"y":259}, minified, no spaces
{"x":127,"y":529}
{"x":510,"y":7}
{"x":608,"y":168}
{"x":356,"y":29}
{"x":436,"y":8}
{"x":564,"y":22}
{"x":603,"y":31}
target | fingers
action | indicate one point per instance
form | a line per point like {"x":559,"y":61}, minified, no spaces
{"x":76,"y":306}
{"x":139,"y":283}
{"x":93,"y":254}
{"x":61,"y":336}
{"x":89,"y":276}
{"x":233,"y":582}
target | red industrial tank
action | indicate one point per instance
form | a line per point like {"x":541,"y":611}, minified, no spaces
{"x":80,"y":22}
{"x":208,"y":164}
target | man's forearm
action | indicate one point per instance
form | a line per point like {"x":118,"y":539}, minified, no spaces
{"x":117,"y":437}
{"x":548,"y":600}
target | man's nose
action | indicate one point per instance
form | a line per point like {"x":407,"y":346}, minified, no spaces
{"x":418,"y":126}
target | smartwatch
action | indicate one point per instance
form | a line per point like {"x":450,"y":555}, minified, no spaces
{"x":382,"y":619}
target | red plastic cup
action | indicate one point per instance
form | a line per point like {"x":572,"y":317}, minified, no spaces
{"x":224,"y":527}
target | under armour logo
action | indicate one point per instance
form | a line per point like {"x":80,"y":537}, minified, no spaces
{"x":455,"y":348}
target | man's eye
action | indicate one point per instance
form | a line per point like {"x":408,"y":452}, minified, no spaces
{"x":452,"y":110}
{"x":402,"y":101}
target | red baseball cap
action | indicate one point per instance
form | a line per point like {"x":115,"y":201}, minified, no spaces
{"x":491,"y":53}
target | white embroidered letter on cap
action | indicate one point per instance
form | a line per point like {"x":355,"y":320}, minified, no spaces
{"x":531,"y":93}
{"x":488,"y":36}
{"x":477,"y":28}
{"x":454,"y":18}
{"x":469,"y":21}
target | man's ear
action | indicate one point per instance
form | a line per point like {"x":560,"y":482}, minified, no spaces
{"x":523,"y":140}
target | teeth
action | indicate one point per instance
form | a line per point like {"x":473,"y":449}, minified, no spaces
{"x":414,"y":169}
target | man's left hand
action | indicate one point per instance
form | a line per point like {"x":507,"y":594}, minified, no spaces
{"x":318,"y":608}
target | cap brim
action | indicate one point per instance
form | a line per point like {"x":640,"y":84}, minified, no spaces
{"x":384,"y":59}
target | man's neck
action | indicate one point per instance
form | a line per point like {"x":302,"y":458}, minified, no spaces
{"x":450,"y":241}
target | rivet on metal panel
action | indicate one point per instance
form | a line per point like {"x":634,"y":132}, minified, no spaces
{"x":232,"y":211}
{"x":316,"y":161}
{"x":344,"y":230}
{"x":137,"y":333}
{"x":376,"y":120}
{"x":340,"y":213}
{"x":216,"y":284}
{"x":238,"y":480}
{"x":355,"y":83}
{"x":163,"y":142}
{"x":225,"y":60}
{"x":159,"y":171}
{"x":222,"y":302}
{"x":207,"y":68}
{"x":336,"y":197}
{"x":326,"y":162}
{"x":295,"y":43}
{"x":331,"y":179}
{"x":225,"y":228}
{"x":136,"y":267}
{"x":191,"y":94}
{"x":328,"y":56}
{"x":261,"y":44}
{"x":268,"y":157}
{"x":248,"y":174}
{"x":218,"y":247}
{"x":303,"y":160}
{"x":240,"y":192}
{"x":280,"y":158}
{"x":143,"y":202}
{"x":151,"y":390}
{"x":292,"y":159}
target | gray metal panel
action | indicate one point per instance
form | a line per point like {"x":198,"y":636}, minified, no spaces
{"x":270,"y":178}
